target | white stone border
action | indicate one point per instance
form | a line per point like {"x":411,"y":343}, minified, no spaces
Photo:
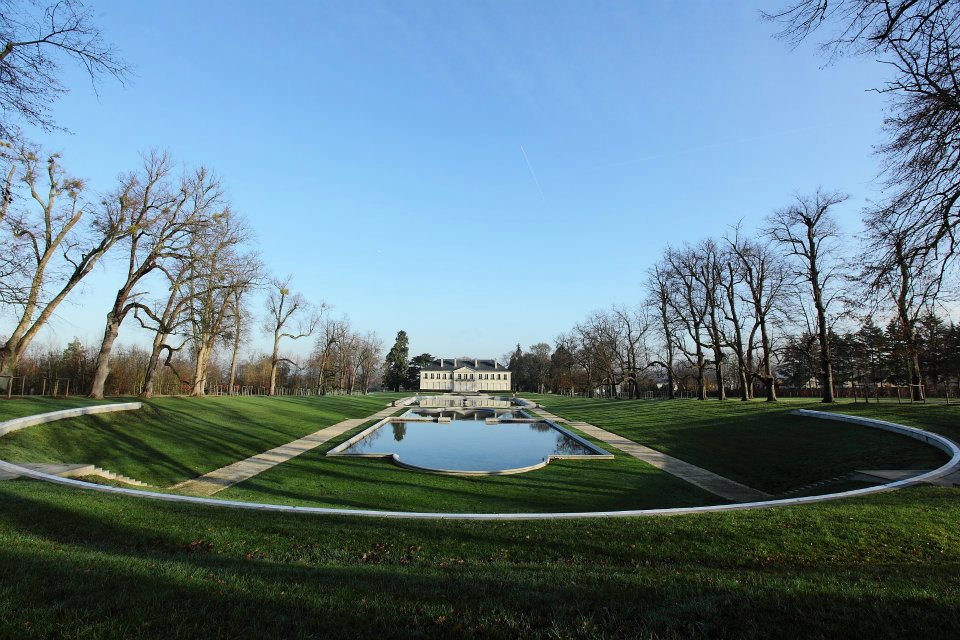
{"x":939,"y":441}
{"x":29,"y":421}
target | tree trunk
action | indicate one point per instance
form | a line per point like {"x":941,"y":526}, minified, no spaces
{"x":103,"y":357}
{"x":768,"y":379}
{"x":199,"y":381}
{"x":153,"y":364}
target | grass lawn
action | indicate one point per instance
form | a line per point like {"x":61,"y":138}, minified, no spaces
{"x":174,"y":439}
{"x":78,"y":564}
{"x":762,"y":445}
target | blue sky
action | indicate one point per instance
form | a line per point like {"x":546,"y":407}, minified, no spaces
{"x":378,"y":147}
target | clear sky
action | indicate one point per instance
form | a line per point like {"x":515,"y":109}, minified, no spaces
{"x":476,"y":173}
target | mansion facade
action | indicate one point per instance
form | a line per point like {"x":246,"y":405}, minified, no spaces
{"x":464,"y":376}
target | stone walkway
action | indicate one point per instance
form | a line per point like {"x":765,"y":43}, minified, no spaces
{"x":707,"y":480}
{"x":215,"y":481}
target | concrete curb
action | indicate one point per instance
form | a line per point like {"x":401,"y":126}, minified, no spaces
{"x":919,"y":434}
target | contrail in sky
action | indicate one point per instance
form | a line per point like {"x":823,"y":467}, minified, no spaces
{"x":532,"y":173}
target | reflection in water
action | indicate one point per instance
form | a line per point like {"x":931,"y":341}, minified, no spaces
{"x":460,"y":401}
{"x":463,"y":414}
{"x":399,"y":430}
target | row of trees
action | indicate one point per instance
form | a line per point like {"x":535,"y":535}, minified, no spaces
{"x":726,"y":313}
{"x":736,"y":307}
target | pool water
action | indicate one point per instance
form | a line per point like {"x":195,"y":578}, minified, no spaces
{"x":468,"y":443}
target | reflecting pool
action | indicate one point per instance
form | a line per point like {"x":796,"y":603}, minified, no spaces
{"x":468,"y":443}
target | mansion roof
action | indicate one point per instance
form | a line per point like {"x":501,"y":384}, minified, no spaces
{"x":471,"y":364}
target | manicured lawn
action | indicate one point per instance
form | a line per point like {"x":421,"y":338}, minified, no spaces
{"x":77,"y":564}
{"x":80,"y":564}
{"x":762,"y":445}
{"x":174,"y":439}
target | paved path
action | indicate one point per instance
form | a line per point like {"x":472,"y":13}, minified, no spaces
{"x":215,"y":481}
{"x":707,"y":480}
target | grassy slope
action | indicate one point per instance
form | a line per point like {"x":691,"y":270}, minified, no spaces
{"x":760,"y":444}
{"x":78,"y":564}
{"x":173,"y":439}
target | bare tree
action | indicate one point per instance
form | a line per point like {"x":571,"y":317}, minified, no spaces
{"x":765,"y":278}
{"x":218,"y":268}
{"x":730,"y":279}
{"x":333,"y":332}
{"x":162,"y":219}
{"x":289,"y":316}
{"x":36,"y":38}
{"x":60,"y":253}
{"x":170,"y":318}
{"x":905,"y":278}
{"x":920,"y":41}
{"x":239,"y":313}
{"x":369,"y":360}
{"x":709,"y":275}
{"x":689,"y":302}
{"x":808,"y":234}
{"x":658,"y":285}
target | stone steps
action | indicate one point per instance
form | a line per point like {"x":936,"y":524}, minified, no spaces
{"x":73,"y":471}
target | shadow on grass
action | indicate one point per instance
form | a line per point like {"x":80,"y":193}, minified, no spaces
{"x":77,"y":575}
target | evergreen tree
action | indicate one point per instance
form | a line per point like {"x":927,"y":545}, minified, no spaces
{"x":397,"y":362}
{"x":416,"y":366}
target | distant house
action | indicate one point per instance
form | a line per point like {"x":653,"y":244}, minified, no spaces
{"x":464,"y":376}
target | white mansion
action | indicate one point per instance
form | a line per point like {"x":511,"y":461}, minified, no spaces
{"x":459,"y":376}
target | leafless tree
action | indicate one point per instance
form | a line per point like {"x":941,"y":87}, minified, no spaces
{"x":239,"y":313}
{"x":14,"y":259}
{"x":808,"y":234}
{"x":658,"y":286}
{"x":739,"y":328}
{"x":162,"y":219}
{"x":167,"y":319}
{"x":688,"y":300}
{"x":369,"y":360}
{"x":920,"y":41}
{"x":540,"y":364}
{"x":333,"y":332}
{"x":36,"y":39}
{"x":905,"y":278}
{"x":709,"y":275}
{"x":765,"y":279}
{"x":60,"y":252}
{"x":219,"y":267}
{"x":289,"y":316}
